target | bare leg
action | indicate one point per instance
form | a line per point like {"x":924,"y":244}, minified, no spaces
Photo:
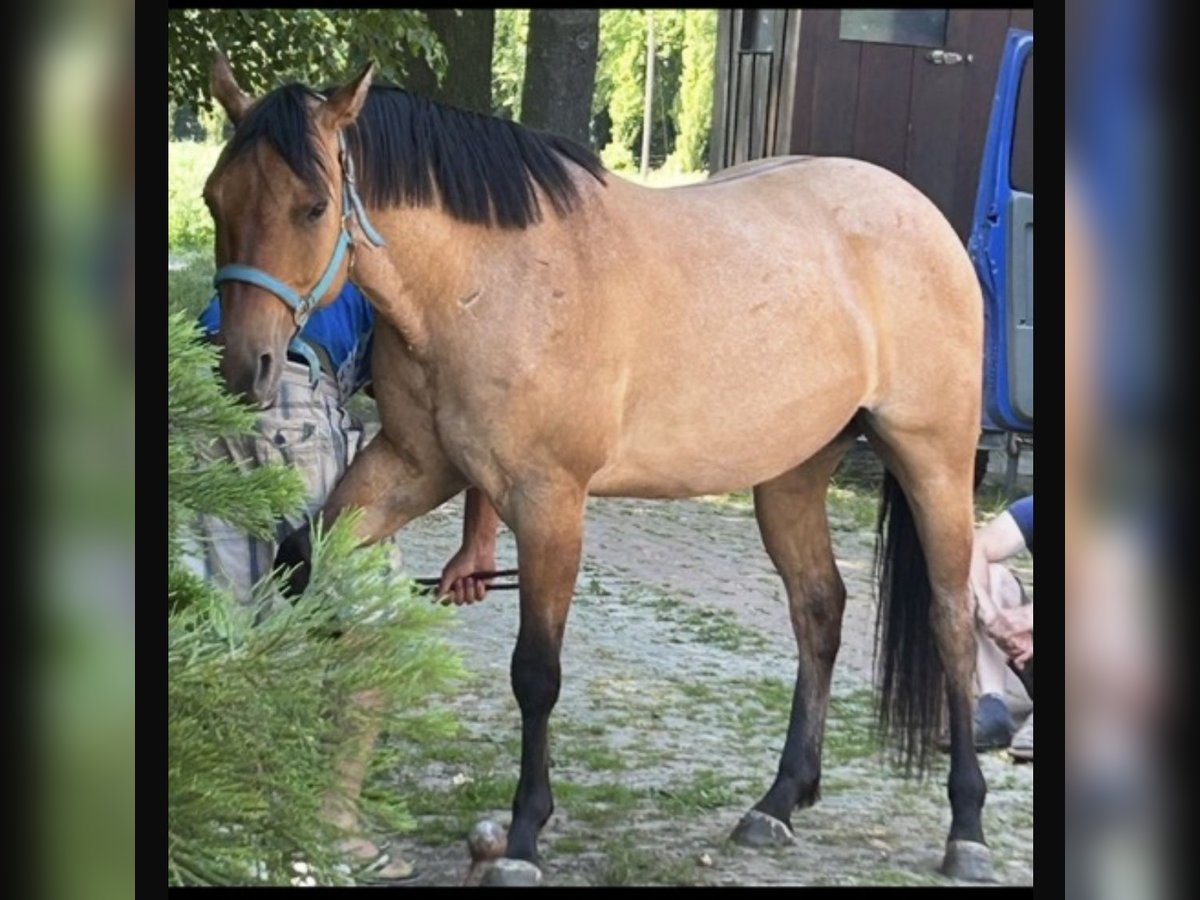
{"x":391,"y":491}
{"x":340,"y":805}
{"x":992,"y":664}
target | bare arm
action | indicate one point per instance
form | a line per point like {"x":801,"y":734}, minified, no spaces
{"x":1012,"y":629}
{"x":995,"y":542}
{"x":481,"y":520}
{"x":477,"y":553}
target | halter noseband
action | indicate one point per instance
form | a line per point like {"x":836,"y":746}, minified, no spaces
{"x":302,"y":306}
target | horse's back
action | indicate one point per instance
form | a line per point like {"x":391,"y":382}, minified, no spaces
{"x":853,"y":233}
{"x":762,"y":309}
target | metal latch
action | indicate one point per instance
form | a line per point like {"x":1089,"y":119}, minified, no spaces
{"x":944,"y":58}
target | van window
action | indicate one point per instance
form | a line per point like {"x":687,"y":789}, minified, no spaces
{"x":1021,"y":173}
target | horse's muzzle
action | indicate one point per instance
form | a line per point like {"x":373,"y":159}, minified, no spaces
{"x":254,"y":376}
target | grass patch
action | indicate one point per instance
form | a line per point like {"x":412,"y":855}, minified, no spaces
{"x":770,"y":693}
{"x":896,"y":878}
{"x":704,"y":791}
{"x":718,"y":628}
{"x":473,"y":798}
{"x":860,"y":470}
{"x":595,"y":757}
{"x":741,"y":502}
{"x":571,"y":843}
{"x":852,"y":508}
{"x":190,"y":288}
{"x":445,"y":815}
{"x":990,"y":501}
{"x":363,"y":408}
{"x":598,"y":804}
{"x":849,"y":723}
{"x":440,"y":831}
{"x":189,"y":225}
{"x":625,"y":863}
{"x":759,"y":706}
{"x":850,"y":727}
{"x":701,"y":692}
{"x":595,"y":588}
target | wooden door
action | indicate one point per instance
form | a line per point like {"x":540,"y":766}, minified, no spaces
{"x":755,"y":81}
{"x":910,"y":90}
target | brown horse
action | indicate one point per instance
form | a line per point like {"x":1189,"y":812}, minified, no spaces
{"x":547,"y":331}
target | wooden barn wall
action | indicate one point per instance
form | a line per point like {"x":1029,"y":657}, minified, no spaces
{"x":886,"y":103}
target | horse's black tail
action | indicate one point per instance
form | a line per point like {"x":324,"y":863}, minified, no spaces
{"x":910,"y":679}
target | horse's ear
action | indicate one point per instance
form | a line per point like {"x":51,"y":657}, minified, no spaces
{"x":226,"y":90}
{"x":346,"y":103}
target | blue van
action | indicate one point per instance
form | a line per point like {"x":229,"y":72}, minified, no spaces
{"x":1001,"y":247}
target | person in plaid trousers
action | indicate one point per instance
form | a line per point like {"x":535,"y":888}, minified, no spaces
{"x":309,"y":429}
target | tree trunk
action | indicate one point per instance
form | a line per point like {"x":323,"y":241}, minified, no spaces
{"x":560,"y":71}
{"x":648,"y":113}
{"x":467,"y":38}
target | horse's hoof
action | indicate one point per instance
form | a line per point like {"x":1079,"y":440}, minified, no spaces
{"x":512,"y":873}
{"x":968,"y":861}
{"x":757,"y":829}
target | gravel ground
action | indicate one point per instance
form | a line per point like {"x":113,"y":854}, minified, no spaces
{"x":677,"y":672}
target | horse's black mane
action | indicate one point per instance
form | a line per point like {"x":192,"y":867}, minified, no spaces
{"x":484,"y":168}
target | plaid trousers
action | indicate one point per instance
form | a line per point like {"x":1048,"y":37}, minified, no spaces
{"x":307,"y":429}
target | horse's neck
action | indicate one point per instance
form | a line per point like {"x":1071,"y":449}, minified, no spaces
{"x":396,"y":298}
{"x":431,"y":266}
{"x":421,"y":266}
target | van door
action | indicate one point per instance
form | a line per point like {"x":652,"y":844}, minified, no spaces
{"x":1001,"y":242}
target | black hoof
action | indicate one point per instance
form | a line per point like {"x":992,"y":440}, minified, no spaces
{"x":968,"y":861}
{"x":757,"y":829}
{"x":512,"y":873}
{"x":295,"y":554}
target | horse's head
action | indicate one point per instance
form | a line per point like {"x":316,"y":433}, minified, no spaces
{"x":278,"y":202}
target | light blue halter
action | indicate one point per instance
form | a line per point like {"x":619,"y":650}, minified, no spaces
{"x":302,"y":306}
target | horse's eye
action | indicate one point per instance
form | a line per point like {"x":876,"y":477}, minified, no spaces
{"x":317,"y":211}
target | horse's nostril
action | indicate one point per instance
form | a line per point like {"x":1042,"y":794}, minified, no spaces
{"x":264,"y":368}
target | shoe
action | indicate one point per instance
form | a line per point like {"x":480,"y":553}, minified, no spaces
{"x":994,"y":725}
{"x":381,"y":870}
{"x":1021,"y":747}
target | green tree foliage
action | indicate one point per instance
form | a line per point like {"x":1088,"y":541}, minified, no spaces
{"x":668,"y":44}
{"x":271,"y":46}
{"x":508,"y":62}
{"x":685,"y":47}
{"x":189,"y":223}
{"x":252,"y":735}
{"x":694,"y":102}
{"x":620,"y":82}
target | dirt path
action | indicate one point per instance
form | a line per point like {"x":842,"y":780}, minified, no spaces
{"x":677,"y":673}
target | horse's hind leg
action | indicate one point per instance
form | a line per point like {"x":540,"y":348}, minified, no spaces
{"x":795,"y":530}
{"x":933,"y":467}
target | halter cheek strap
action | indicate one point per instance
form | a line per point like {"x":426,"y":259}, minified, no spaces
{"x":302,"y":305}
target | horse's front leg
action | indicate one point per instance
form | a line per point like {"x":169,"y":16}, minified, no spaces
{"x":391,"y":487}
{"x":548,"y":522}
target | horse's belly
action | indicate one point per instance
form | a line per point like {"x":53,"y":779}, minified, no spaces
{"x":679,"y":453}
{"x":735,"y":390}
{"x":695,"y":477}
